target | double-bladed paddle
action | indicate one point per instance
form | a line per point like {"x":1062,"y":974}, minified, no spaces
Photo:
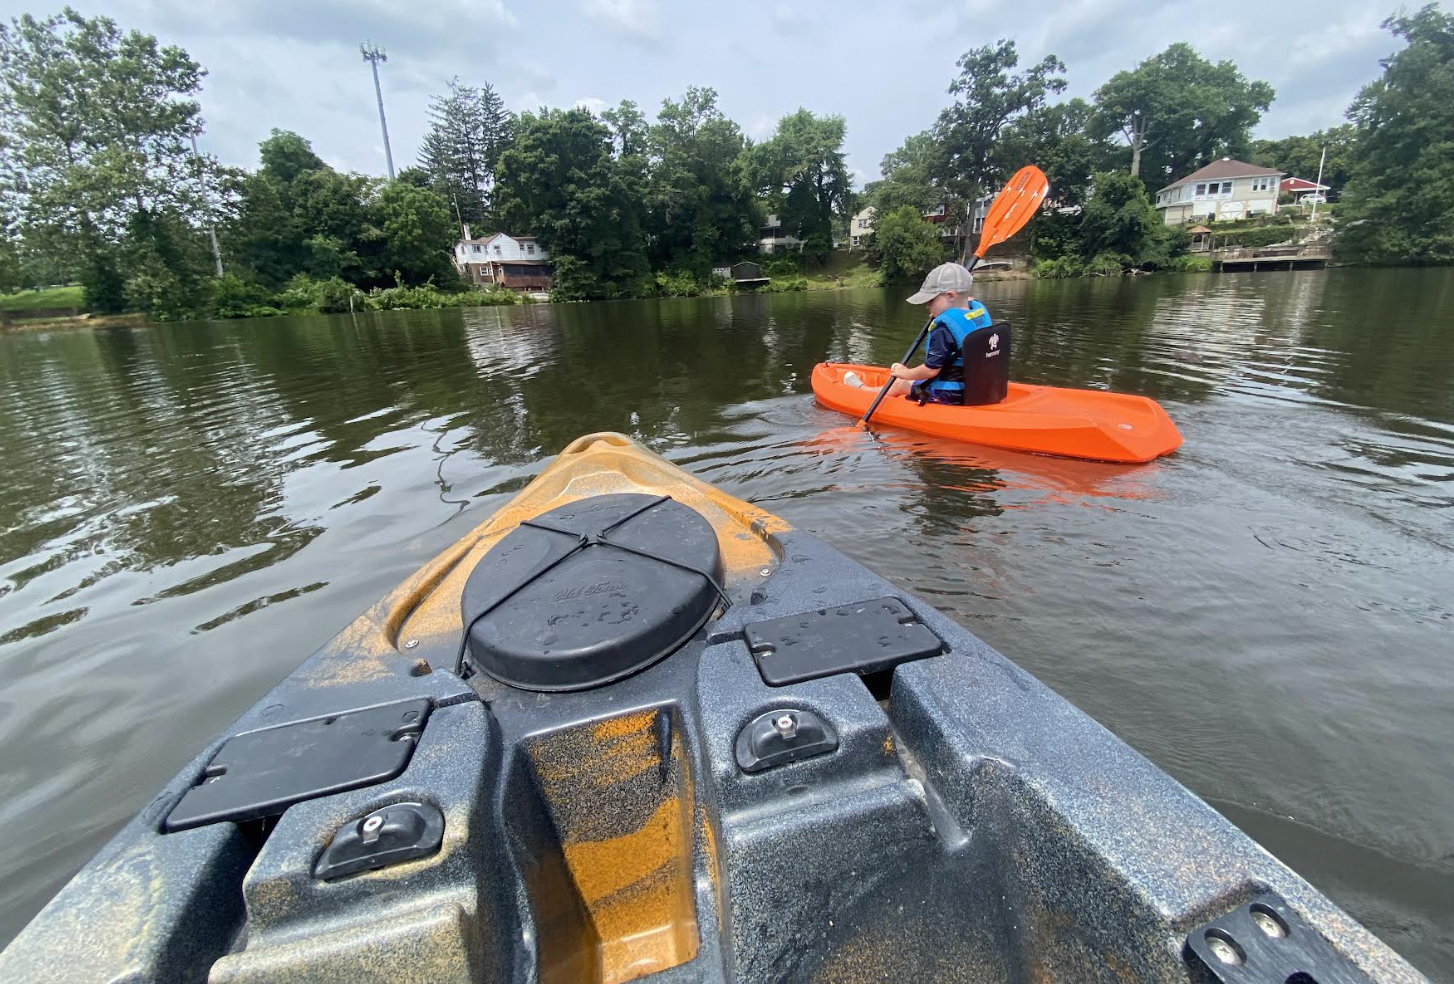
{"x":1012,"y":208}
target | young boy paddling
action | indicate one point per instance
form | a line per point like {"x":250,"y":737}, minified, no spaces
{"x":956,"y":313}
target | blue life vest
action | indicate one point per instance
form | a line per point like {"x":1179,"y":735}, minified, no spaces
{"x":960,"y":322}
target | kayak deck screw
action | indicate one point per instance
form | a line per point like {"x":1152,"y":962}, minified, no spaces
{"x":787,"y":726}
{"x":1223,"y":948}
{"x":410,"y":644}
{"x":765,"y":571}
{"x":1268,"y":925}
{"x":373,"y":823}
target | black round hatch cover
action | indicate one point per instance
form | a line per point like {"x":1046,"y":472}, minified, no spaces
{"x":546,"y":609}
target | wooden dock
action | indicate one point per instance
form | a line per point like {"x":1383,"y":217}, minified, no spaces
{"x":1310,"y":256}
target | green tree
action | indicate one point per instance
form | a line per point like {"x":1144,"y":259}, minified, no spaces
{"x":1120,"y":224}
{"x":330,"y":215}
{"x":285,"y":156}
{"x":1178,"y":111}
{"x":298,"y":215}
{"x":560,"y":181}
{"x":1299,"y":155}
{"x":701,"y":207}
{"x":1054,"y":138}
{"x":903,"y":245}
{"x":167,"y":269}
{"x":267,"y":237}
{"x":988,"y":95}
{"x":629,"y":130}
{"x":912,"y":175}
{"x":12,"y":263}
{"x":801,"y":173}
{"x":1399,"y":203}
{"x":469,"y":129}
{"x":415,"y":176}
{"x":96,"y":125}
{"x":263,"y":237}
{"x":417,"y":233}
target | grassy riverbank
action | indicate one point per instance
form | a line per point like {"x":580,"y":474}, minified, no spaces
{"x":44,"y":299}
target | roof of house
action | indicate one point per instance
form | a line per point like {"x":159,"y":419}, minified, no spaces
{"x":1302,"y":184}
{"x":493,"y":236}
{"x":1198,"y":230}
{"x":1225,"y":168}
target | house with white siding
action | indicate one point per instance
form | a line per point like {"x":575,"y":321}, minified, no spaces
{"x":517,"y":262}
{"x":860,"y":227}
{"x":772,"y":237}
{"x":1224,"y":189}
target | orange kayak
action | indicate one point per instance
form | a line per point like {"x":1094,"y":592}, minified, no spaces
{"x":1072,"y":423}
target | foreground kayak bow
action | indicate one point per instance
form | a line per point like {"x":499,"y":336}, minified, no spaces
{"x":631,"y":726}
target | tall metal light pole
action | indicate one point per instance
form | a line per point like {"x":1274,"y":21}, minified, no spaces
{"x":211,"y":229}
{"x":373,"y":54}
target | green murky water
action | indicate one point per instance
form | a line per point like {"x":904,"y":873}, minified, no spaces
{"x":187,"y":511}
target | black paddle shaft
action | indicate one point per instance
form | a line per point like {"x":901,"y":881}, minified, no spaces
{"x":918,"y":340}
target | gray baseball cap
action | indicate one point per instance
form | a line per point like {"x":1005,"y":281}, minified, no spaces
{"x":944,"y":277}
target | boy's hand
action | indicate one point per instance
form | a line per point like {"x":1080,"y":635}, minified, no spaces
{"x":897,"y":370}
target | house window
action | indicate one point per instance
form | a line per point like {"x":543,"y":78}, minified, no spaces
{"x":475,"y":249}
{"x":1201,"y":190}
{"x":1261,"y":184}
{"x":497,"y":250}
{"x":530,"y":248}
{"x":863,"y":223}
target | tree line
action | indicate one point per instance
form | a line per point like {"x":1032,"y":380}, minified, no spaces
{"x":1148,"y":126}
{"x":109,"y":191}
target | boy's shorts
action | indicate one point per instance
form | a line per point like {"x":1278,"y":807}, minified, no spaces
{"x":924,"y":393}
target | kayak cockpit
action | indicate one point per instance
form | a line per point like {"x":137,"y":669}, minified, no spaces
{"x":631,"y":728}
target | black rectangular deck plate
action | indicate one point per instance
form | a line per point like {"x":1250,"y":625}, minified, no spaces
{"x":864,"y":637}
{"x":1300,"y":956}
{"x":262,"y":773}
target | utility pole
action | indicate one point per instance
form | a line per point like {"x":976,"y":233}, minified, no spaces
{"x":1319,"y":189}
{"x":373,"y":54}
{"x":211,"y":229}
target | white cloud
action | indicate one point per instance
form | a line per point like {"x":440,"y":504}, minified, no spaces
{"x":762,"y":126}
{"x":786,"y":16}
{"x":592,"y":103}
{"x":635,"y":20}
{"x":280,"y":63}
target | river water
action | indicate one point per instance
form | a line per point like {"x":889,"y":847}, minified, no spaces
{"x":189,"y":510}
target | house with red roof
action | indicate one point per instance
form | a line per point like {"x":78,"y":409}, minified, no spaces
{"x":1298,"y":187}
{"x":1224,"y":189}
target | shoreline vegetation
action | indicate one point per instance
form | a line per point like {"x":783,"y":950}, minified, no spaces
{"x":843,"y":272}
{"x":112,"y":195}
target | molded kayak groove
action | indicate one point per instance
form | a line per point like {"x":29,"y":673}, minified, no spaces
{"x":1071,"y":423}
{"x":825,"y":780}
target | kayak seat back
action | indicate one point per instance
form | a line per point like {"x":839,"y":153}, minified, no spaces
{"x":987,"y":364}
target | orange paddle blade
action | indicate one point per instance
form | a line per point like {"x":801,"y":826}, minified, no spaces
{"x":1013,"y":206}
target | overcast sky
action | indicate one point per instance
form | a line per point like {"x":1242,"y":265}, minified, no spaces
{"x":295,"y":64}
